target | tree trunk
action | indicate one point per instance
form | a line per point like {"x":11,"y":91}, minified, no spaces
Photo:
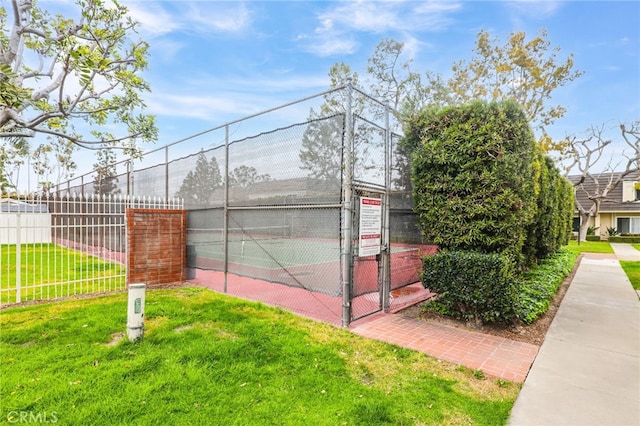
{"x":584,"y":225}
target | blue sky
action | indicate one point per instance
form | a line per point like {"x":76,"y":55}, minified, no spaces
{"x":213,"y":62}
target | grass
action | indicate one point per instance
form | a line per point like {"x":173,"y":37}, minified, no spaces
{"x":209,"y":358}
{"x":590,"y":247}
{"x":632,"y":269}
{"x":49,"y":270}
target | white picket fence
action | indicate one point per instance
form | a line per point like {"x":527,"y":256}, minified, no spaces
{"x":53,"y":247}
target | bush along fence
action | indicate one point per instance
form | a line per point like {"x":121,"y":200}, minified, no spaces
{"x":482,"y":186}
{"x":58,"y":246}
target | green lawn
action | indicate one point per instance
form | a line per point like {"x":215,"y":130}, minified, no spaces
{"x":590,"y":247}
{"x":632,"y":269}
{"x":49,"y":270}
{"x":211,"y":359}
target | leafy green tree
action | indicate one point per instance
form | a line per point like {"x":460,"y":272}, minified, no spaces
{"x":322,"y":153}
{"x":394,"y":82}
{"x":58,"y":72}
{"x":526,"y":71}
{"x":13,"y":155}
{"x":244,"y":177}
{"x":53,"y":163}
{"x":391,"y":80}
{"x":322,"y":142}
{"x":105,"y":182}
{"x":200,"y":183}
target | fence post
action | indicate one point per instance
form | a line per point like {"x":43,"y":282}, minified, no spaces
{"x":225,"y":225}
{"x":166,"y":175}
{"x":128,"y":177}
{"x":18,"y":257}
{"x":386,"y":241}
{"x":347,"y":211}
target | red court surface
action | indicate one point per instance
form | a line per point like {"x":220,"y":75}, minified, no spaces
{"x":495,"y":356}
{"x":314,"y":305}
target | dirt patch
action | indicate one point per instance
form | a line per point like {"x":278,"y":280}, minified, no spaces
{"x":532,"y":333}
{"x":115,"y":339}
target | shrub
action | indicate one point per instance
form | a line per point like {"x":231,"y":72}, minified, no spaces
{"x":554,"y":214}
{"x":473,"y":286}
{"x":474,"y":176}
{"x":593,"y":237}
{"x":612,"y":232}
{"x":629,"y":239}
{"x":540,"y":284}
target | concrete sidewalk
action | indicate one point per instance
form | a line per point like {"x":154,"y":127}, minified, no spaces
{"x":587,"y":371}
{"x":625,"y":251}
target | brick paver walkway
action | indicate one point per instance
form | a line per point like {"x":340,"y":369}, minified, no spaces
{"x":494,"y":356}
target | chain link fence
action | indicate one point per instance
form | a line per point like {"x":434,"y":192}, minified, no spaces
{"x":272,"y":210}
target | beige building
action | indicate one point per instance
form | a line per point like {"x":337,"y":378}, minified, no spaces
{"x":621,"y":209}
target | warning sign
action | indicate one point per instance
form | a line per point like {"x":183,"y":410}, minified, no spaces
{"x":370,"y":226}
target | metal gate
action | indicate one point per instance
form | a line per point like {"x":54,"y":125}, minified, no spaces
{"x":369,"y":272}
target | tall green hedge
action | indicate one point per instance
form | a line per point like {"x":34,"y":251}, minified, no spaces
{"x":474,"y":177}
{"x":551,"y":227}
{"x":492,"y":202}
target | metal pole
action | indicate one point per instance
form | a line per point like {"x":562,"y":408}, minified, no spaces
{"x":386,"y":205}
{"x":225,"y":232}
{"x":18,"y":256}
{"x":128,"y":178}
{"x":347,"y":210}
{"x":166,"y":175}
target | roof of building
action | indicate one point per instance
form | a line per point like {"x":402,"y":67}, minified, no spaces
{"x":613,"y":203}
{"x":10,"y":205}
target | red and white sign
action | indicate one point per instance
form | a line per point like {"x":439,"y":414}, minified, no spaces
{"x":370,"y":226}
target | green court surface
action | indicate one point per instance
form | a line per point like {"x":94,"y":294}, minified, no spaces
{"x":277,"y":253}
{"x":272,"y":253}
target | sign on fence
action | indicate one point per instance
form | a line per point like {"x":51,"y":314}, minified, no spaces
{"x":370,"y":226}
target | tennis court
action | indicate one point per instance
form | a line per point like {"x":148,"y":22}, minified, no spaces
{"x":281,"y":204}
{"x":277,"y":255}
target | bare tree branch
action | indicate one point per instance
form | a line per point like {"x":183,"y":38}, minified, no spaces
{"x":82,"y":71}
{"x":596,"y":187}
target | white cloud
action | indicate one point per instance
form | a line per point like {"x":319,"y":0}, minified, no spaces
{"x":154,"y":20}
{"x":535,"y":9}
{"x":194,"y":106}
{"x":223,"y":17}
{"x":328,"y":46}
{"x":382,"y":16}
{"x":336,"y":25}
{"x":249,"y":95}
{"x":161,"y":18}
